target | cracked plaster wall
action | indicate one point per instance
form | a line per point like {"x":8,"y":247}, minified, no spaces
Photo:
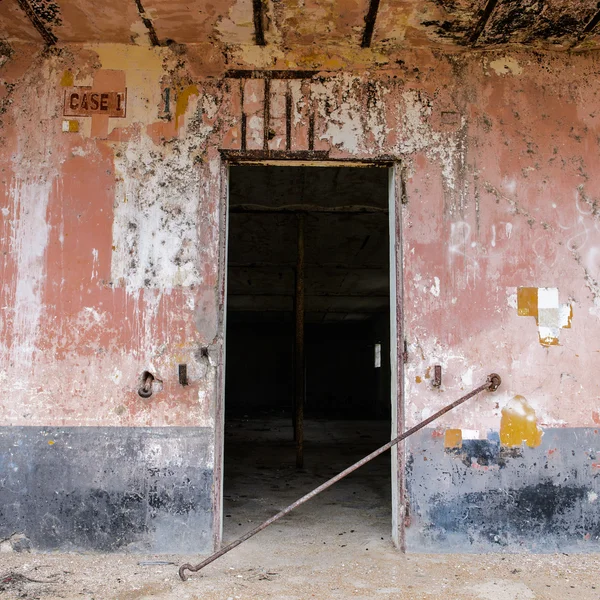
{"x":112,"y":235}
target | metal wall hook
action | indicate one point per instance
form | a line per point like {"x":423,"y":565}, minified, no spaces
{"x":145,"y":390}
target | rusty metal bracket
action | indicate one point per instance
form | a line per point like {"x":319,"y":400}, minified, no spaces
{"x":492,"y":384}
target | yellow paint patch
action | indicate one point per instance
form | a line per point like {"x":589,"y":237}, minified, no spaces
{"x":527,"y":302}
{"x":70,"y":126}
{"x":50,"y":442}
{"x":183,"y":99}
{"x":67,"y":79}
{"x":453,"y":438}
{"x":519,"y":424}
{"x":418,"y":379}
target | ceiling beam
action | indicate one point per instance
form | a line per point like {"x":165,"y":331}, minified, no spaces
{"x":333,"y":266}
{"x":341,"y":295}
{"x":305,"y":208}
{"x":37,"y":22}
{"x":370,"y":24}
{"x":591,"y":25}
{"x":483,"y":21}
{"x":259,"y":32}
{"x":148,"y":23}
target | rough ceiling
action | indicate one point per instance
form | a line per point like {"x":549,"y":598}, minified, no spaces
{"x":346,"y":240}
{"x":381,"y":24}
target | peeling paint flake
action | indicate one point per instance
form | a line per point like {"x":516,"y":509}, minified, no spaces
{"x":506,"y":66}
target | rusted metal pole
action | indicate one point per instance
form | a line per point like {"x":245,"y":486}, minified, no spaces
{"x":492,"y":383}
{"x":299,"y":358}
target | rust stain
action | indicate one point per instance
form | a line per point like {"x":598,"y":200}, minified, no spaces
{"x":428,"y":373}
{"x":596,"y":417}
{"x":453,"y":438}
{"x":67,"y":79}
{"x":519,"y":424}
{"x":183,"y":99}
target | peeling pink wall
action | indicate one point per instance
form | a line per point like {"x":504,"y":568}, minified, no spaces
{"x":112,"y":236}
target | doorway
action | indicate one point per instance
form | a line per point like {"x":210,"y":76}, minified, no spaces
{"x":308,"y":378}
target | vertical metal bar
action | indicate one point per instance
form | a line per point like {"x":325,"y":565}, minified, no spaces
{"x":288,"y":118}
{"x":259,"y":30}
{"x":299,"y":386}
{"x":243,"y":116}
{"x":370,"y":24}
{"x":266,"y":114}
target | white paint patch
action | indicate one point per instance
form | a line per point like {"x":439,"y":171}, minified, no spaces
{"x":29,"y":241}
{"x":435,"y":288}
{"x":5,"y":212}
{"x":155,"y":227}
{"x":511,"y":297}
{"x":508,"y":229}
{"x":547,"y":298}
{"x":96,"y":316}
{"x":592,"y":497}
{"x":418,"y":135}
{"x":116,"y":376}
{"x":470,"y":434}
{"x":94,"y":264}
{"x":467,"y":377}
{"x":595,"y":310}
{"x":506,"y":65}
{"x":426,"y":413}
{"x":510,"y":185}
{"x":552,"y":316}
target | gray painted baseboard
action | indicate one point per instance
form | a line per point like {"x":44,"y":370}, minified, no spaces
{"x":485,"y":498}
{"x":108,"y":488}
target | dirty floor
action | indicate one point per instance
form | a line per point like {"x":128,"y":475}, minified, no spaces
{"x":336,"y":546}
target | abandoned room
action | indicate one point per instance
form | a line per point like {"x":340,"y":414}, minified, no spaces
{"x":246,"y":243}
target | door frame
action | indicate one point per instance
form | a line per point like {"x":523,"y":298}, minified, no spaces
{"x":395,"y":202}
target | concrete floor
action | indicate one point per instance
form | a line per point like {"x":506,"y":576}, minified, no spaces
{"x":261,"y":477}
{"x":334,"y":547}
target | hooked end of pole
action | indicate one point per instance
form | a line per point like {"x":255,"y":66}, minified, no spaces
{"x":494,"y":381}
{"x":182,"y":570}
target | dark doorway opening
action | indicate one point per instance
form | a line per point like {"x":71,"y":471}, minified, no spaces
{"x":336,"y":219}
